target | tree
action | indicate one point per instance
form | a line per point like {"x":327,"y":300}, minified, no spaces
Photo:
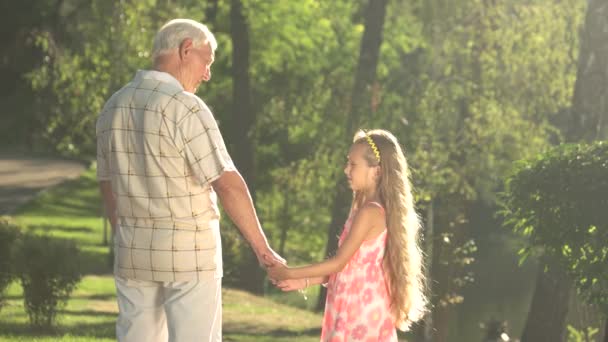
{"x":558,"y":202}
{"x":589,"y":113}
{"x":84,"y":63}
{"x":586,"y":121}
{"x":243,"y":118}
{"x":361,"y":100}
{"x":480,"y":82}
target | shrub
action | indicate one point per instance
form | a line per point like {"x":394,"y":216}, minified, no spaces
{"x":9,"y":233}
{"x":559,"y":201}
{"x":49,"y":271}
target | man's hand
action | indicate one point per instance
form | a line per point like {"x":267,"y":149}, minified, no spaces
{"x":268,"y":257}
{"x":278,"y":272}
{"x":109,"y":203}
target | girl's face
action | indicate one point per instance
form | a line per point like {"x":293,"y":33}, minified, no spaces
{"x":361,"y":176}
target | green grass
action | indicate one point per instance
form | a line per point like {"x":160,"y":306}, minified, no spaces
{"x":91,"y":312}
{"x":88,"y":316}
{"x":72,"y":211}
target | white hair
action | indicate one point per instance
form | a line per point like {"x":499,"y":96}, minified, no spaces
{"x":173,"y":33}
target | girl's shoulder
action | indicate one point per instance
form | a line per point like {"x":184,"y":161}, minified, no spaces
{"x":375,"y":204}
{"x":372,"y":211}
{"x":371,"y":218}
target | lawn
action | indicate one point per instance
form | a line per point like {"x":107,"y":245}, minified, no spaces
{"x":72,"y":210}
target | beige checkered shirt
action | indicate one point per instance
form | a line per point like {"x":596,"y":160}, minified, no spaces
{"x":161,"y":148}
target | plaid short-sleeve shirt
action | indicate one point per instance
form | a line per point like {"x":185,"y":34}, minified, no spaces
{"x":160,"y":147}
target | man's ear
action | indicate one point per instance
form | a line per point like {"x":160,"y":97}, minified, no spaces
{"x":185,"y":47}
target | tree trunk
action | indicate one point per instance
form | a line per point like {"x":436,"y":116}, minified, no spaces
{"x":360,"y":103}
{"x":338,"y":213}
{"x":589,"y":115}
{"x":211,"y":9}
{"x":252,"y":276}
{"x":547,"y":316}
{"x":285,"y":221}
{"x":606,"y":330}
{"x":361,"y":99}
{"x":586,"y":122}
{"x":442,"y":266}
{"x":423,"y":330}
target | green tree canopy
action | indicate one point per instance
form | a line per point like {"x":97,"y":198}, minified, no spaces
{"x":559,"y":202}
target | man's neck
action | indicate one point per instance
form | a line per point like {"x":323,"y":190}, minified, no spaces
{"x":163,"y":65}
{"x":169,"y":64}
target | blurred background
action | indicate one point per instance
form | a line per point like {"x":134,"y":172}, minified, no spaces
{"x":469,"y":87}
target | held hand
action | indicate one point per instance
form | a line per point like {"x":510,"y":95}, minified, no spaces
{"x":291,"y":284}
{"x":267,"y":257}
{"x":278,"y":272}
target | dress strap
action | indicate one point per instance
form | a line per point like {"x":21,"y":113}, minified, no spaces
{"x":378,"y":205}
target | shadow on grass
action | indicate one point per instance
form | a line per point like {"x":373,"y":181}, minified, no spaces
{"x":96,"y":263}
{"x":107,"y":330}
{"x":97,"y":330}
{"x":73,"y":296}
{"x":66,"y":200}
{"x":13,"y":297}
{"x":93,"y":313}
{"x":95,"y":297}
{"x":251,"y":330}
{"x":48,"y":228}
{"x":283,"y":335}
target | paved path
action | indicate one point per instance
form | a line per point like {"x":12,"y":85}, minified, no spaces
{"x":21,"y":178}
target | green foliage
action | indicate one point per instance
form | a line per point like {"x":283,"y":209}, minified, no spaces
{"x":460,"y":83}
{"x":582,"y":335}
{"x":481,"y":84}
{"x":558,"y":201}
{"x":303,"y":59}
{"x":464,"y":93}
{"x":49,"y":270}
{"x":9,"y":233}
{"x":107,"y":42}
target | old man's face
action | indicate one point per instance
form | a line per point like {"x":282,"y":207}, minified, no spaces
{"x":195,"y":64}
{"x":202,"y":65}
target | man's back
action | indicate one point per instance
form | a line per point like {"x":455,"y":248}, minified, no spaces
{"x":157,"y":146}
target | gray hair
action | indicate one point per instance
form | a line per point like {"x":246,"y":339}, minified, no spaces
{"x":173,"y":33}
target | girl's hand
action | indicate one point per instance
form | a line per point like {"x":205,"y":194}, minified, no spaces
{"x":291,"y":284}
{"x":278,"y":272}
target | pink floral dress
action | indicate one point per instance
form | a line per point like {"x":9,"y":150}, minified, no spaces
{"x":357,"y":306}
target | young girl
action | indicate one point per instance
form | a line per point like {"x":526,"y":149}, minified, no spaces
{"x":375,"y":281}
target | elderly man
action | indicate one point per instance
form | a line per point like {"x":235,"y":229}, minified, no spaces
{"x":161,"y":164}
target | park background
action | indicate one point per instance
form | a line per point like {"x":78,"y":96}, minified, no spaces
{"x":469,"y":87}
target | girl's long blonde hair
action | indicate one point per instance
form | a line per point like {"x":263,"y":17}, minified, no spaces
{"x":403,"y":257}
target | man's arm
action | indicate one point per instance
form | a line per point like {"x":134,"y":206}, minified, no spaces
{"x":236,"y":201}
{"x":109,"y":202}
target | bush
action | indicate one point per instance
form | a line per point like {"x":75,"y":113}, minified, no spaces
{"x":583,"y":335}
{"x":9,"y":233}
{"x":49,"y":271}
{"x":559,"y":201}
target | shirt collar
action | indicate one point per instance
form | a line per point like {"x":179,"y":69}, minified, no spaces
{"x":159,"y":76}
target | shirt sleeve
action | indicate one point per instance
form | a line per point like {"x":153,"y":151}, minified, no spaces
{"x":204,"y":147}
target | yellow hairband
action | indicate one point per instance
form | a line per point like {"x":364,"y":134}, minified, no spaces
{"x":372,"y":144}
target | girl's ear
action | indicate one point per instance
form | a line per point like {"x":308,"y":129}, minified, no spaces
{"x":378,"y":171}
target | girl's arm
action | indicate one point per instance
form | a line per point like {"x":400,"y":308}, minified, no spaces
{"x":363,"y":222}
{"x":300,"y":284}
